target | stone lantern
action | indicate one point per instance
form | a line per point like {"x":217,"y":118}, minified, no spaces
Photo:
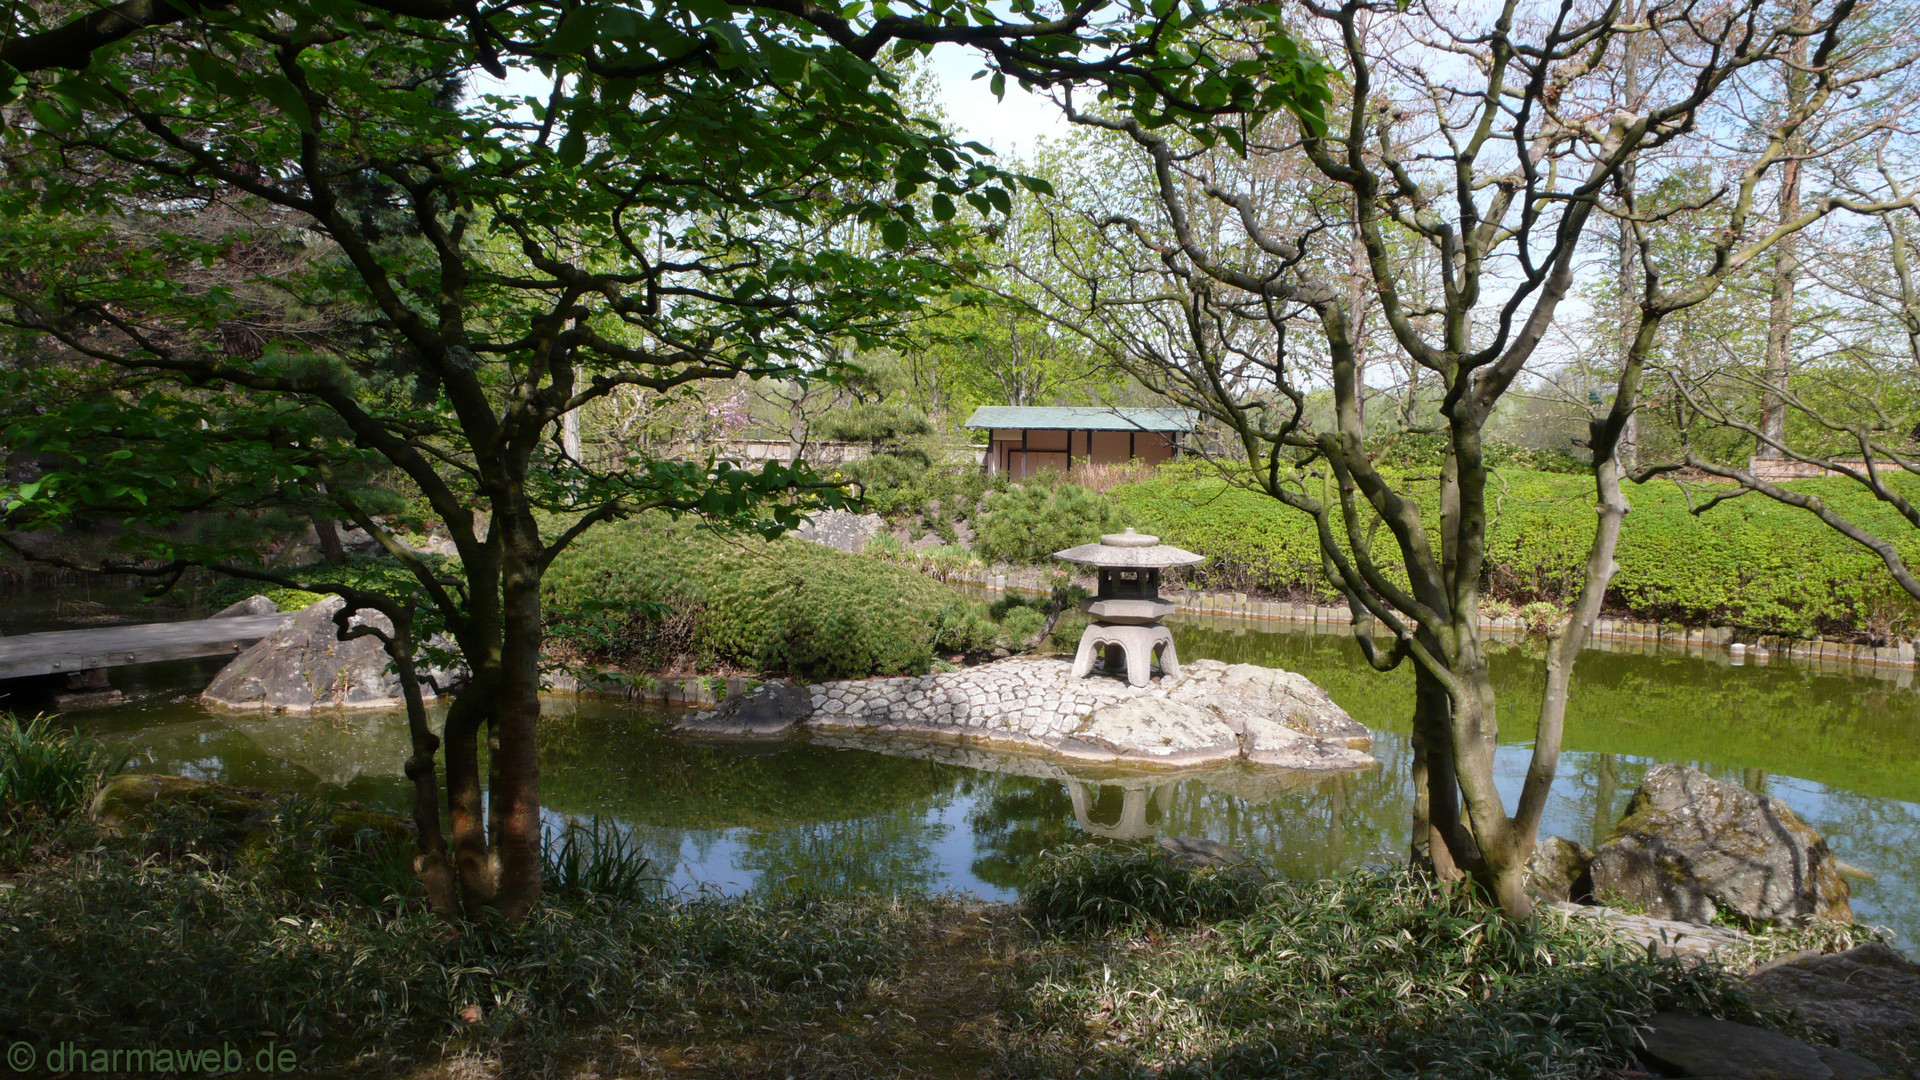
{"x":1128,"y":609}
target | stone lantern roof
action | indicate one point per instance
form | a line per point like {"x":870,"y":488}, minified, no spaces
{"x":1130,"y":551}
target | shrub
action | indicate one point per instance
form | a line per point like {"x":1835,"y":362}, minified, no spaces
{"x":648,"y":591}
{"x":1029,"y":522}
{"x":1752,"y":563}
{"x":44,"y":772}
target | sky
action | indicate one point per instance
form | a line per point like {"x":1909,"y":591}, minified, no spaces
{"x":1011,"y":127}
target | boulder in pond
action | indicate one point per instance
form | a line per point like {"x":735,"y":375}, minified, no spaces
{"x":1560,"y":870}
{"x":767,"y":709}
{"x":304,"y":666}
{"x":1690,"y":846}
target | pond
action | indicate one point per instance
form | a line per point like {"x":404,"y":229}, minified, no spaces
{"x":821,"y":814}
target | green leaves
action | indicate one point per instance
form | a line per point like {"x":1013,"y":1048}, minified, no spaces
{"x":287,"y":98}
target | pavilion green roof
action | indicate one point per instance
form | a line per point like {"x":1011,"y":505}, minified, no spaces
{"x":1082,"y":418}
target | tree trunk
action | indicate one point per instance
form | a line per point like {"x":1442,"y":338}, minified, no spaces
{"x":516,"y":796}
{"x":1626,"y":276}
{"x":430,"y":863}
{"x":1786,"y":264}
{"x":328,"y":533}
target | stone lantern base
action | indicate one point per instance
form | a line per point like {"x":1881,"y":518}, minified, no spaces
{"x":1137,"y":643}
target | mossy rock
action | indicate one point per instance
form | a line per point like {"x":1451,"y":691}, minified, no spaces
{"x":139,"y":802}
{"x":142,"y":802}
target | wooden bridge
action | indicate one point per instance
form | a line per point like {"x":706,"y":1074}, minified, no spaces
{"x":65,"y":652}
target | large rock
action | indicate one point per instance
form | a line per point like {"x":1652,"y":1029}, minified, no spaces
{"x":1867,"y":997}
{"x":252,"y":605}
{"x":768,"y":709}
{"x":1160,"y":730}
{"x":1268,"y":742}
{"x":304,"y":666}
{"x":840,"y":529}
{"x":1560,"y":869}
{"x":1687,"y":1045}
{"x":1248,"y":691}
{"x":1689,"y":846}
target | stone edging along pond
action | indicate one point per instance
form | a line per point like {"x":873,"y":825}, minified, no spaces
{"x":1209,"y":713}
{"x":1607,"y":633}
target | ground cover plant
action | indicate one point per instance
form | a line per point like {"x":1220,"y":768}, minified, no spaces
{"x":1750,"y":564}
{"x":1118,"y":964}
{"x":1222,"y":973}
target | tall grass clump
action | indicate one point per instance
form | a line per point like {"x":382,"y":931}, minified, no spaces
{"x":1376,"y":974}
{"x":596,"y":857}
{"x":48,"y":772}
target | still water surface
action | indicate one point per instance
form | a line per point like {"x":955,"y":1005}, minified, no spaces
{"x":1843,"y":750}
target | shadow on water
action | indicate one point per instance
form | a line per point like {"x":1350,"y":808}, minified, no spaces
{"x":827,"y":815}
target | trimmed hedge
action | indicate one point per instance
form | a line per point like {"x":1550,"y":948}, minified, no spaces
{"x":1751,"y":563}
{"x":647,"y":591}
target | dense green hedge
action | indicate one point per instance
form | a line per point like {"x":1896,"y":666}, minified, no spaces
{"x":647,"y":591}
{"x":1029,"y":522}
{"x":1751,"y":563}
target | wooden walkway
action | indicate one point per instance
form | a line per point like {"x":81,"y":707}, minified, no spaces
{"x":59,"y":652}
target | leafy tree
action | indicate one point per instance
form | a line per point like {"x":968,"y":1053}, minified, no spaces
{"x":1235,"y":299}
{"x":688,"y":202}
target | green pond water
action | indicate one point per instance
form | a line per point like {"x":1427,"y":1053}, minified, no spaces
{"x":1841,"y":749}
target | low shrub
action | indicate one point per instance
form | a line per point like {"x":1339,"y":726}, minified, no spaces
{"x":649,"y":592}
{"x":1029,"y":522}
{"x":116,"y":949}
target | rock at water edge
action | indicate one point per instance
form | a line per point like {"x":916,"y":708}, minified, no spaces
{"x":1269,"y":742}
{"x":767,"y":709}
{"x":1689,"y":845}
{"x":1245,"y":691}
{"x":1867,"y":997}
{"x":303,"y":666}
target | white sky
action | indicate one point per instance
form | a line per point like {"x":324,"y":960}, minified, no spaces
{"x":1011,"y":127}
